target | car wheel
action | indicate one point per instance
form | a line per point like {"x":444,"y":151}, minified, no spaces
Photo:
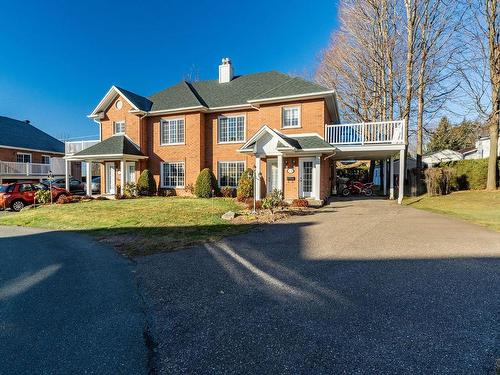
{"x":17,"y":205}
{"x":60,"y":196}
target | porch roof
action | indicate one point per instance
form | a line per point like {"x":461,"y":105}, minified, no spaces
{"x":115,"y":147}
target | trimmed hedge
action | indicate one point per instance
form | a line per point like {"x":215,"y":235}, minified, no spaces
{"x":205,"y":184}
{"x":468,"y":174}
{"x":245,"y":185}
{"x":146,"y":184}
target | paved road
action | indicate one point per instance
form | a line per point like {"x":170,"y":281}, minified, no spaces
{"x":365,"y":287}
{"x":67,"y":306}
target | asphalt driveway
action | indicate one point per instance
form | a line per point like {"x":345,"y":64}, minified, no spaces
{"x":365,"y":287}
{"x":68,"y":305}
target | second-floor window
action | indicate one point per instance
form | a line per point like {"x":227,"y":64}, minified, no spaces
{"x":231,"y":129}
{"x":172,"y":132}
{"x":291,"y":117}
{"x":45,"y":159}
{"x":119,"y":127}
{"x":23,"y":158}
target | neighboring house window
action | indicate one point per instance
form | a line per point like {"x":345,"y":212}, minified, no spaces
{"x":230,"y":172}
{"x":291,"y":117}
{"x":45,"y":159}
{"x":172,"y":132}
{"x":231,"y":129}
{"x":23,"y":158}
{"x":119,"y":127}
{"x":172,"y":175}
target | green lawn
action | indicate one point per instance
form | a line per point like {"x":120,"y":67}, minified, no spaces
{"x":480,"y":207}
{"x":138,"y":226}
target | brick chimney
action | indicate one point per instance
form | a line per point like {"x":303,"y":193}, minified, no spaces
{"x":225,"y":71}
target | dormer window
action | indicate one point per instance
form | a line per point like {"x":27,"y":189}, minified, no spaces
{"x":119,"y":127}
{"x":290,"y":117}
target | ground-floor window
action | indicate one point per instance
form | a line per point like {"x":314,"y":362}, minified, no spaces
{"x":172,"y":174}
{"x":230,"y":172}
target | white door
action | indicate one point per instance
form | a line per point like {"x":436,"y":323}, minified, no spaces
{"x":272,"y":174}
{"x":110,"y":178}
{"x":306,"y":177}
{"x":131,"y":172}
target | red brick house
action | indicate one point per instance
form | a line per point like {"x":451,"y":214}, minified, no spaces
{"x":269,"y":121}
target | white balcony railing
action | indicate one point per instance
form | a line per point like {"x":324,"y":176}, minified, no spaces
{"x":72,"y":147}
{"x":12,"y":168}
{"x":383,"y":132}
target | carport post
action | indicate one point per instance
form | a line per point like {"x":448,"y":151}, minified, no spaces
{"x":67,"y":166}
{"x":401,"y":176}
{"x":88,"y":165}
{"x":384,"y":175}
{"x":391,"y":178}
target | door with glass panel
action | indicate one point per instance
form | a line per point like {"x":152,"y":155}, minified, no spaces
{"x":272,"y":174}
{"x":110,"y":178}
{"x":306,"y":177}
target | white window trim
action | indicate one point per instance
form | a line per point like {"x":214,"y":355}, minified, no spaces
{"x":162,"y":179}
{"x":229,"y":161}
{"x":48,"y":156}
{"x":124,"y":126}
{"x":25,"y":153}
{"x":283,"y":117}
{"x":173,"y":119}
{"x":244,"y":128}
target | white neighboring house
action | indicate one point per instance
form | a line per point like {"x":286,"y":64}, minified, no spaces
{"x":482,"y":150}
{"x":441,"y":156}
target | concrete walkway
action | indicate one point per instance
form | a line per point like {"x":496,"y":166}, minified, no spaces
{"x":364,"y":287}
{"x":68,"y":305}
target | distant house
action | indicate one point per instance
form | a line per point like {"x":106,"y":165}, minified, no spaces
{"x":27,"y":153}
{"x":482,"y":149}
{"x":441,"y":156}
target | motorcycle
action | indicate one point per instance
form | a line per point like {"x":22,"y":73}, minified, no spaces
{"x":357,"y":187}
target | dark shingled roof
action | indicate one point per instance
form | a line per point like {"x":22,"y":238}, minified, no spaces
{"x":115,"y":145}
{"x":15,"y":133}
{"x":306,"y":142}
{"x":238,"y":91}
{"x":144,"y":104}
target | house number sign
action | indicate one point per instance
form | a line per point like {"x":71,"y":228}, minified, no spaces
{"x":290,"y":170}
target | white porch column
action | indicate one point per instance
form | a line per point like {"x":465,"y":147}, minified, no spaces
{"x":384,"y":176}
{"x":257,"y":178}
{"x":123,"y":175}
{"x":401,"y":176}
{"x":391,"y":178}
{"x":280,"y":173}
{"x":67,"y":167}
{"x":88,"y":165}
{"x":316,"y":177}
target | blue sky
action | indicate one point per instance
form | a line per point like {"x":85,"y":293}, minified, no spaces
{"x":60,"y":57}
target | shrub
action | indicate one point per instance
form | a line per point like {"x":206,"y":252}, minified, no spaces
{"x":146,"y":184}
{"x":166,"y":192}
{"x":249,"y":204}
{"x":206,"y":184}
{"x":130,"y":190}
{"x":42,"y":196}
{"x":438,"y":181}
{"x":189,"y":189}
{"x":245,"y":185}
{"x":227,"y":191}
{"x":101,"y":198}
{"x":273,"y":200}
{"x":469,"y":174}
{"x":68,"y":199}
{"x":300,"y":203}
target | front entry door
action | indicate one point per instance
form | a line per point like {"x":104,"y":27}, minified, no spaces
{"x":272,"y":174}
{"x":306,"y":178}
{"x":110,"y":178}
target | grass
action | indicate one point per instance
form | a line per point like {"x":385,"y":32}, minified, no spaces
{"x":138,"y":226}
{"x":480,"y":207}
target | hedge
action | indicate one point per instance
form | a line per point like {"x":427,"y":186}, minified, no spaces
{"x":206,"y":183}
{"x":146,"y":184}
{"x":468,"y":174}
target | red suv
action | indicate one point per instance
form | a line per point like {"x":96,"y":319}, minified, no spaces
{"x":20,"y":194}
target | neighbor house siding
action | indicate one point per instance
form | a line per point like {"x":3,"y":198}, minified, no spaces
{"x":9,"y":154}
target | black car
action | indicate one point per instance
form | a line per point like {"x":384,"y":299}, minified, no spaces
{"x":75,"y":186}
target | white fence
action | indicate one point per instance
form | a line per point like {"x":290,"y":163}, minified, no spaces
{"x":383,"y":132}
{"x":72,"y":147}
{"x":12,"y":168}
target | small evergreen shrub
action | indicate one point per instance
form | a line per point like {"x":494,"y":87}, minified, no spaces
{"x":206,"y":184}
{"x":245,"y":185}
{"x":42,"y":196}
{"x":273,"y":200}
{"x":438,"y":181}
{"x":146,"y":184}
{"x":227,"y":191}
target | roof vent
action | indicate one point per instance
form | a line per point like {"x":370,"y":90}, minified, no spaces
{"x":225,"y":71}
{"x":27,"y":121}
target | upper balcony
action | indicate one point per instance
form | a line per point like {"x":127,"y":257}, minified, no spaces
{"x":72,"y":147}
{"x":366,"y":133}
{"x":37,"y":170}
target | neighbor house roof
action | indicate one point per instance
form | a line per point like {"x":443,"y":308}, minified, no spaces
{"x":240,"y":91}
{"x":21,"y":134}
{"x":115,"y":145}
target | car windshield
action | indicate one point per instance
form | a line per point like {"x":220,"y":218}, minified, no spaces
{"x":6,"y":188}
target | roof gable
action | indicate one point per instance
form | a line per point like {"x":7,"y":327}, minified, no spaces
{"x":19,"y":134}
{"x":137,"y":102}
